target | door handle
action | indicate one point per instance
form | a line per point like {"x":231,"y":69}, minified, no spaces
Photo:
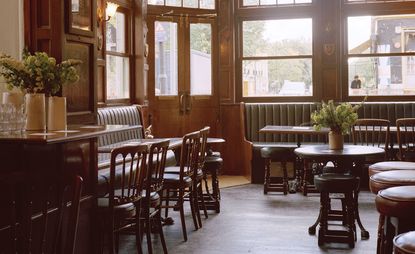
{"x":182,"y":103}
{"x":188,"y":103}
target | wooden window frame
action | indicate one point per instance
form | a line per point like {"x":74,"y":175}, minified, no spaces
{"x":369,"y":9}
{"x":126,"y":9}
{"x":274,"y":13}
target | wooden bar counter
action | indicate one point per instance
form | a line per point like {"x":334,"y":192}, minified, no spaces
{"x":73,"y":150}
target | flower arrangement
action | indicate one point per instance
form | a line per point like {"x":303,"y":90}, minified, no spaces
{"x":338,"y":118}
{"x":38,"y":73}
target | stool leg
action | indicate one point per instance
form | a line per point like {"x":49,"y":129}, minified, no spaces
{"x":285,"y":177}
{"x":324,"y":197}
{"x":364,"y":234}
{"x":304,"y":180}
{"x":380,"y":234}
{"x":350,"y":218}
{"x":267,"y":175}
{"x":215,"y":189}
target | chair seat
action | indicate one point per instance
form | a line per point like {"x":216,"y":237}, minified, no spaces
{"x":154,"y":198}
{"x":176,"y":170}
{"x":390,"y":165}
{"x":277,"y":151}
{"x":336,"y":182}
{"x":172,"y":181}
{"x":397,"y":201}
{"x":127,"y":209}
{"x":392,"y":178}
{"x":405,"y":242}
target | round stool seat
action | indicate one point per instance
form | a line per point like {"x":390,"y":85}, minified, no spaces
{"x":213,"y":162}
{"x":397,"y":201}
{"x":336,"y":183}
{"x":390,"y":165}
{"x":405,"y":243}
{"x":392,"y":178}
{"x":276,"y":152}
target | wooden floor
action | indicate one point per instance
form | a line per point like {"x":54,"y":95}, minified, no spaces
{"x":251,"y":222}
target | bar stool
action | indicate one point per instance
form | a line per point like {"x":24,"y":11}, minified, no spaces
{"x":404,"y":243}
{"x":397,"y":204}
{"x":282,"y":154}
{"x":387,"y":179}
{"x":337,"y":183}
{"x":384,"y":166}
{"x":212,"y":166}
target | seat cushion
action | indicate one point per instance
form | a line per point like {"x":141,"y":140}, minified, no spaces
{"x":390,"y":165}
{"x":397,"y":201}
{"x":392,"y":178}
{"x":405,"y":242}
{"x":277,"y":152}
{"x":173,"y":181}
{"x":336,"y":183}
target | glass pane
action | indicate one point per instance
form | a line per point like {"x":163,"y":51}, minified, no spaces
{"x":156,"y":2}
{"x":207,"y":4}
{"x":118,"y":77}
{"x":81,"y":14}
{"x":200,"y":59}
{"x":290,"y":77}
{"x":303,"y":1}
{"x":174,"y":3}
{"x":285,"y":1}
{"x":381,"y":34}
{"x":166,"y":58}
{"x":267,"y":2}
{"x":251,"y":2}
{"x":382,"y":75}
{"x":284,"y":37}
{"x":190,"y":3}
{"x":116,"y":33}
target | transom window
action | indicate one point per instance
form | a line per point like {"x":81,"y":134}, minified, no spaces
{"x":376,"y":1}
{"x":381,"y":55}
{"x":198,"y":4}
{"x":117,"y":57}
{"x":274,"y":2}
{"x":277,"y":58}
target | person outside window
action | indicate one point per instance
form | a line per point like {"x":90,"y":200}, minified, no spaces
{"x":356,"y":83}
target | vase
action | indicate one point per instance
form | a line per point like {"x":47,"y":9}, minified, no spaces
{"x":56,"y":113}
{"x":15,"y":99}
{"x":35,"y":112}
{"x":335,"y":141}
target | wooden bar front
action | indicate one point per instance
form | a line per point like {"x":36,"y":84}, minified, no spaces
{"x":73,"y":151}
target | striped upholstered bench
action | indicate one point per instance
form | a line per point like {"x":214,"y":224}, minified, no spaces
{"x":121,"y":115}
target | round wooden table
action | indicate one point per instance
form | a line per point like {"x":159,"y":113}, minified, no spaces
{"x":350,"y":158}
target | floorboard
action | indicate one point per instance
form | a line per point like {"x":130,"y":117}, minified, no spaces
{"x":251,"y":222}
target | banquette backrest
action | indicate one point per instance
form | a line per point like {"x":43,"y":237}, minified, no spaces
{"x":123,"y":115}
{"x":257,"y":115}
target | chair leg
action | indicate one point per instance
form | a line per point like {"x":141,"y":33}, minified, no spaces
{"x":285,"y":177}
{"x":192,"y":207}
{"x":111,"y":236}
{"x":202,"y":198}
{"x":138,"y":227}
{"x":196,"y":204}
{"x":148,"y":230}
{"x":166,"y":211}
{"x":267,"y":175}
{"x":160,"y":226}
{"x":181,"y":209}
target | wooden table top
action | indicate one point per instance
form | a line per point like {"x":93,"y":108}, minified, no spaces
{"x":281,"y":129}
{"x":348,"y":151}
{"x":72,"y":133}
{"x":174,"y":143}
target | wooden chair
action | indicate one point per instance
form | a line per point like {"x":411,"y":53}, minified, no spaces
{"x":118,"y":208}
{"x":406,"y":138}
{"x":372,"y":132}
{"x":151,"y":203}
{"x":179,"y":184}
{"x":39,"y":213}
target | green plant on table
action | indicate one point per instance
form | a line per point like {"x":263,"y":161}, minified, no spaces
{"x":338,"y":118}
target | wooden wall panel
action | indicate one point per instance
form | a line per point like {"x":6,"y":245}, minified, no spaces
{"x":43,"y":16}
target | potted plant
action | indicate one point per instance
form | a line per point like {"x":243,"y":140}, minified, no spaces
{"x":339,"y":119}
{"x":37,"y":75}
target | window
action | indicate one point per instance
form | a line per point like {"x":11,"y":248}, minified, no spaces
{"x":198,"y":4}
{"x":376,"y":1}
{"x":381,"y":55}
{"x":117,"y":57}
{"x":274,"y":2}
{"x":194,"y":74}
{"x":277,"y":58}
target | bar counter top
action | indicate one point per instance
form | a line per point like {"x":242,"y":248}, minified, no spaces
{"x":72,"y":133}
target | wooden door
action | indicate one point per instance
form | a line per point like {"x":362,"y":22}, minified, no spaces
{"x":182,"y":89}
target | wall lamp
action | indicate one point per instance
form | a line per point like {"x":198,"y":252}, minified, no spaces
{"x":110,"y":11}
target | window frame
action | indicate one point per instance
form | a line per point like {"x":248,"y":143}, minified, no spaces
{"x":369,"y":9}
{"x":302,"y":11}
{"x":127,"y":54}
